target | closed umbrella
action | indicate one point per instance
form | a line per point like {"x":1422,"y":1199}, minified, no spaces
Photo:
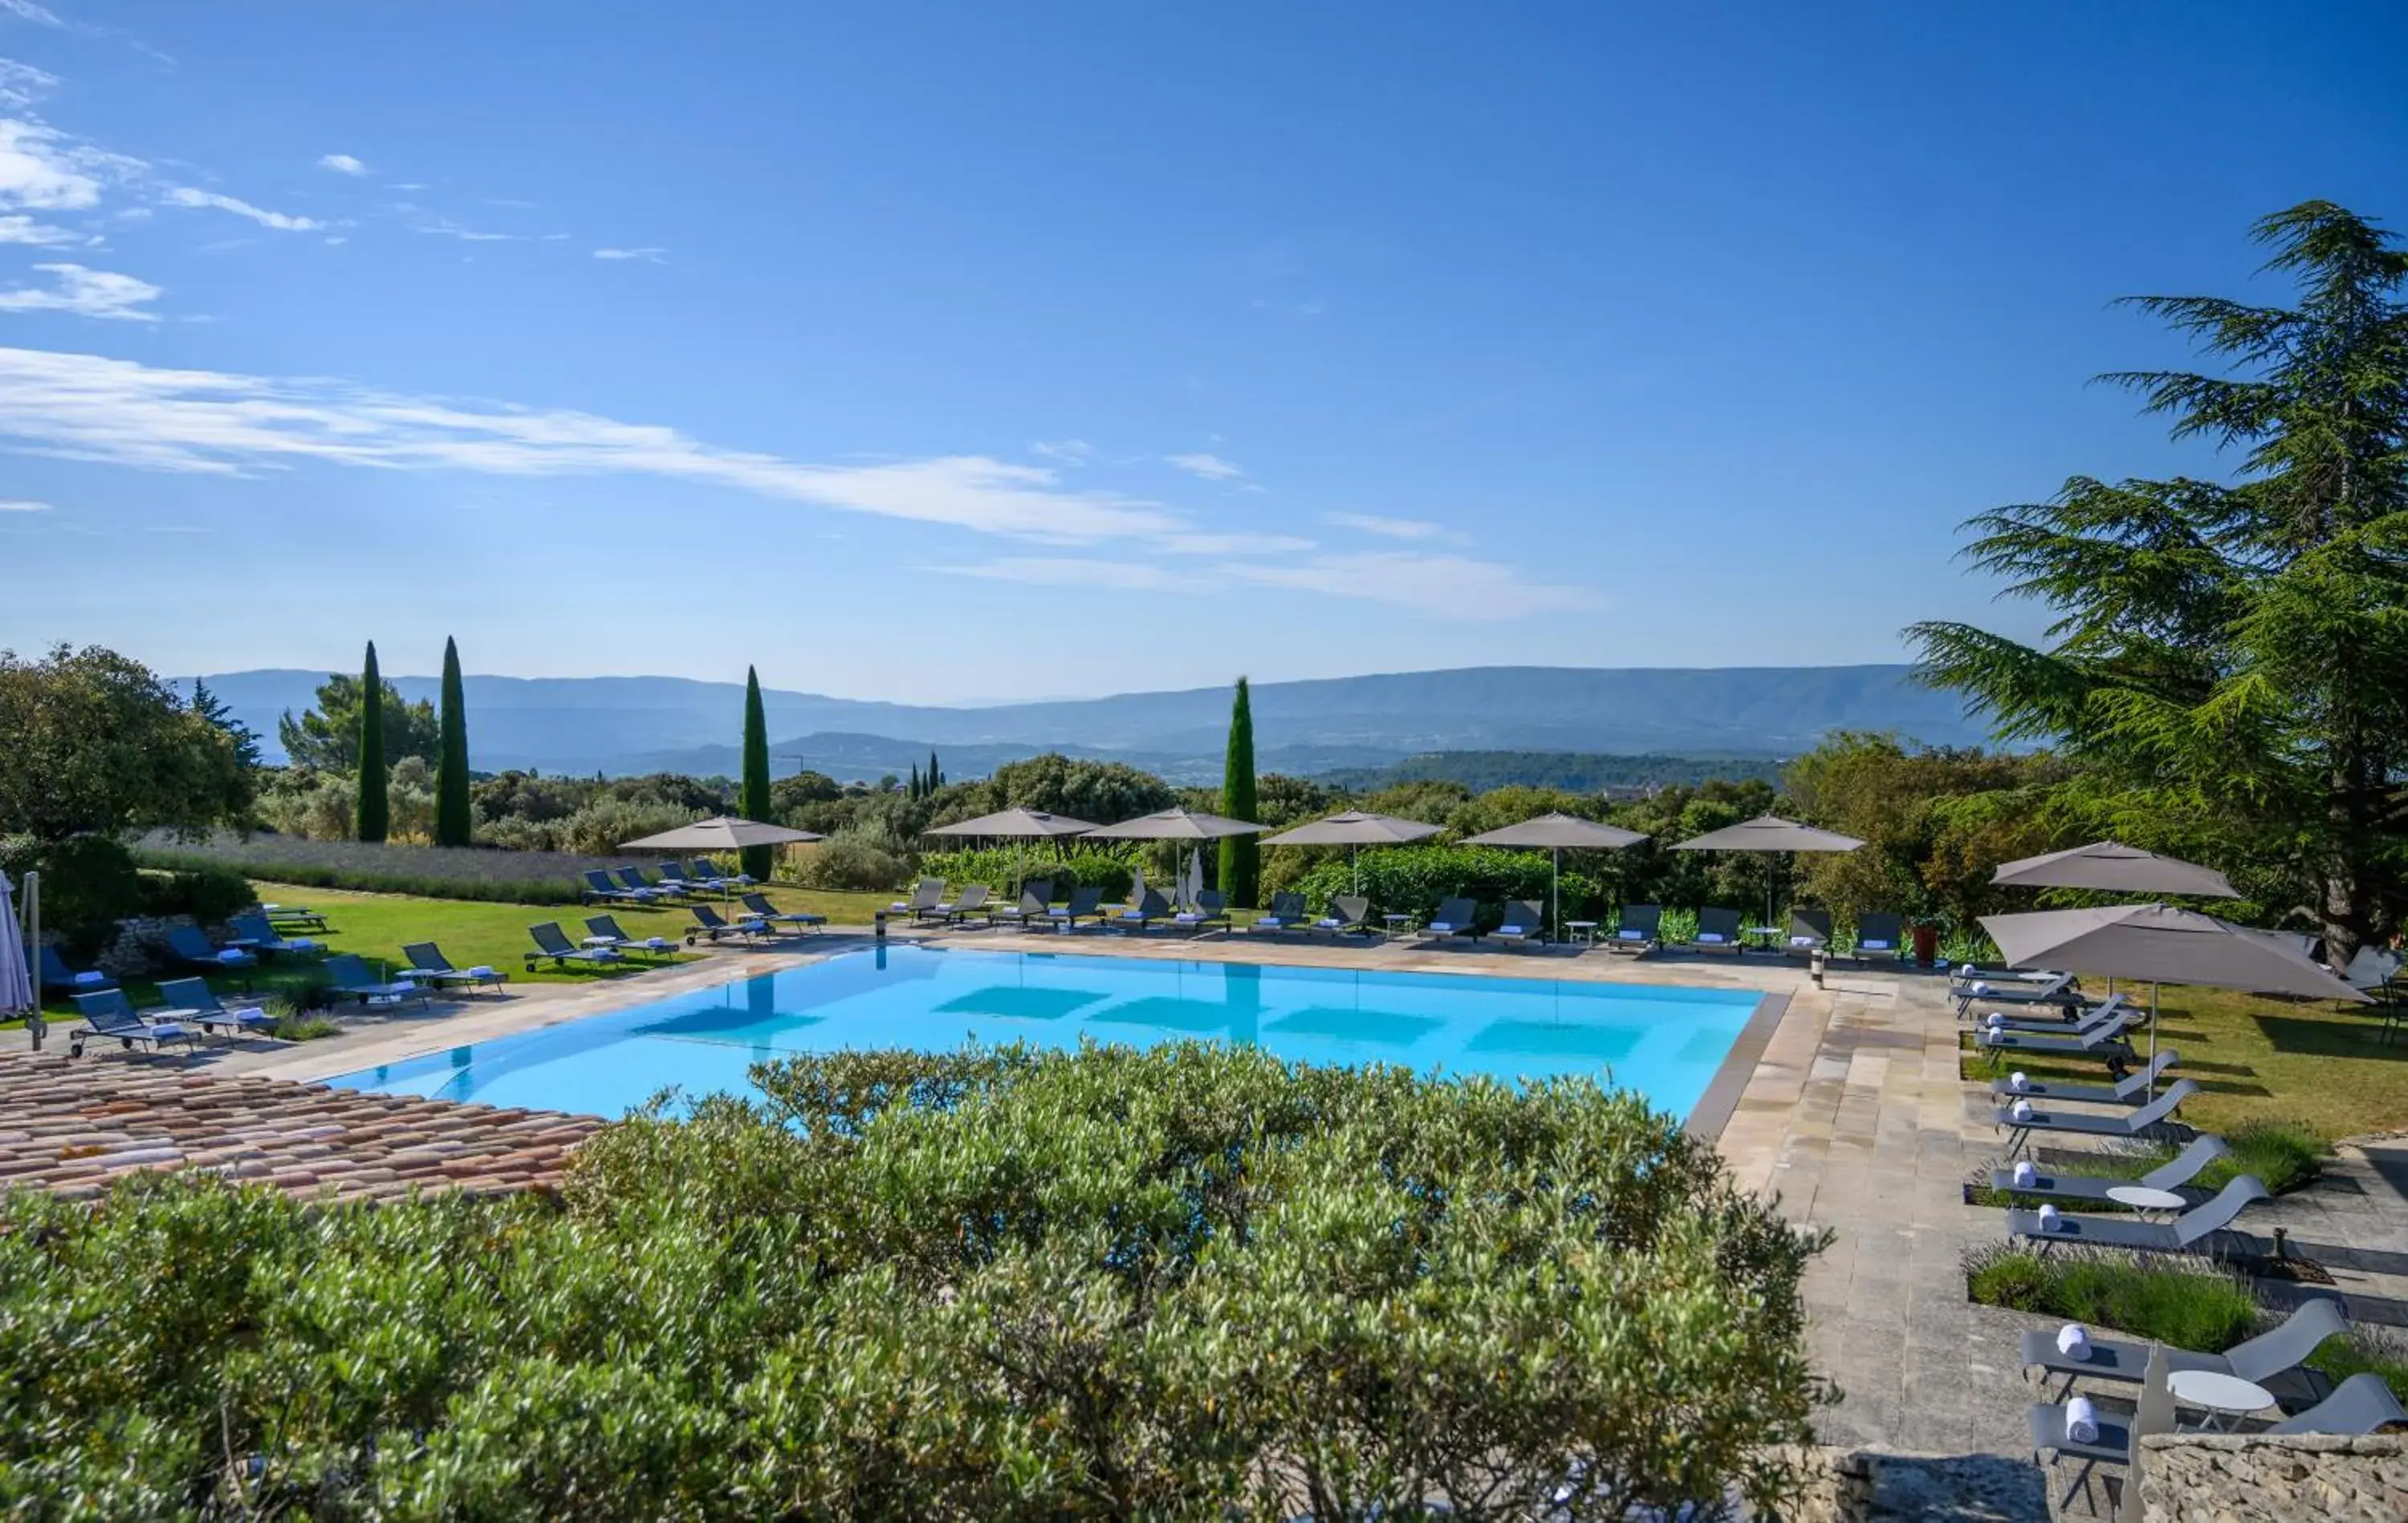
{"x":1015,"y":825}
{"x":1769,"y":834}
{"x":1556,"y":831}
{"x":2163,"y":943}
{"x":1190,"y":825}
{"x":1353,"y":830}
{"x":16,"y":978}
{"x":2113,"y":867}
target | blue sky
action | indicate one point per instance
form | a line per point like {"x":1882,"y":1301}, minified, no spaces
{"x":955,"y":351}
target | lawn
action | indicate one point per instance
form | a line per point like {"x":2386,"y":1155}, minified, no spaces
{"x":2258,"y":1057}
{"x":376,"y":925}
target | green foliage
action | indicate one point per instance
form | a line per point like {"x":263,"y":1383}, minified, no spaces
{"x":2284,"y":1155}
{"x":211,"y":895}
{"x":326,"y":737}
{"x":1241,"y":855}
{"x":374,"y":809}
{"x":1099,"y":866}
{"x":88,"y":884}
{"x":849,"y":862}
{"x":2187,"y":1305}
{"x":2229,"y":663}
{"x":210,"y":709}
{"x":92,"y":742}
{"x":2380,"y":1350}
{"x":755,"y":803}
{"x":1415,"y":880}
{"x":1514,"y":804}
{"x":454,"y":813}
{"x":523,"y":877}
{"x":1569,"y":771}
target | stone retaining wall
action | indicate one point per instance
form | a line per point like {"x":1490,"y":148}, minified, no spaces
{"x":2222,"y":1478}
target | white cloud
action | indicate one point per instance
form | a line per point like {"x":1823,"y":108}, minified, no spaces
{"x":1211,"y":467}
{"x":38,"y":172}
{"x":25,"y":10}
{"x":451,"y":229}
{"x":89,"y":408}
{"x":1070,"y":571}
{"x":16,"y":227}
{"x":24,"y":505}
{"x":184,"y":195}
{"x":1372,"y":523}
{"x":650,"y":256}
{"x":1068,"y":451}
{"x":84,"y":294}
{"x":20,"y":83}
{"x":341,"y":163}
{"x":1234,"y":544}
{"x":1446,"y":586}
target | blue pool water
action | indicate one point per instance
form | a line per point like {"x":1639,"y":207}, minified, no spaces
{"x":1666,"y":1043}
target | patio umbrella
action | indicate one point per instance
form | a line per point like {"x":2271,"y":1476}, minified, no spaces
{"x":1190,"y":825}
{"x":724,"y":832}
{"x":2113,"y":867}
{"x":16,"y":978}
{"x":1556,"y":831}
{"x":1014,"y":825}
{"x":2163,"y":943}
{"x":1769,"y":834}
{"x":1353,"y":830}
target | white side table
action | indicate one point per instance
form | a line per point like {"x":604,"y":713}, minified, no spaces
{"x":2143,"y":1199}
{"x":2223,"y":1396}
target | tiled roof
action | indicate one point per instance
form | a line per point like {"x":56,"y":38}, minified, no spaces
{"x":71,"y":1125}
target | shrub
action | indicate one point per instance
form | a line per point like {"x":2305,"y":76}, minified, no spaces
{"x":516,"y":878}
{"x":1190,"y":1282}
{"x":88,"y":884}
{"x":2190,"y":1305}
{"x":305,"y":1028}
{"x":2363,"y":1349}
{"x":1108,"y":868}
{"x":2284,"y":1155}
{"x":1417,"y":879}
{"x":209,"y":894}
{"x":598,"y":829}
{"x":848,"y":862}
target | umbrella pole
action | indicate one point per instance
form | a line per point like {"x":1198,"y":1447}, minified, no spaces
{"x":34,"y":1025}
{"x":2149,"y":1083}
{"x":1555,"y":895}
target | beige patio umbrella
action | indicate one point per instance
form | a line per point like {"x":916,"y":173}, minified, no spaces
{"x":2113,"y":867}
{"x":1014,"y":825}
{"x":1192,"y":826}
{"x":723,"y":832}
{"x":1556,"y":831}
{"x":1355,"y":830}
{"x":2163,"y":943}
{"x":1769,"y":834}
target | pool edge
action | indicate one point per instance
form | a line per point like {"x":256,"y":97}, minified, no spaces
{"x":1720,"y":1101}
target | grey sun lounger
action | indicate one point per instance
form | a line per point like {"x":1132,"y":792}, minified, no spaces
{"x":1878,"y":934}
{"x":1149,"y":908}
{"x":2134,"y":1091}
{"x":263,"y":939}
{"x":351,"y":980}
{"x":1717,"y":932}
{"x":2098,"y":1041}
{"x":604,"y":931}
{"x":2056,"y":989}
{"x":2063,"y":1188}
{"x":1034,"y":899}
{"x":1455,"y":917}
{"x":600,"y":889}
{"x":194,"y":949}
{"x":2282,"y":1348}
{"x":800,"y":920}
{"x":973,"y":901}
{"x":1348,"y":914}
{"x":194,"y":998}
{"x":1525,"y":923}
{"x":2116,"y":1441}
{"x":2181,"y":1235}
{"x":705,"y":871}
{"x":1810,"y":931}
{"x":108,"y":1015}
{"x":55,"y":974}
{"x":1287,"y":913}
{"x":1086,"y":904}
{"x":644,"y":888}
{"x":675,"y":875}
{"x":2359,"y":1406}
{"x":2113,"y":1007}
{"x":553,"y":942}
{"x":926,"y":897}
{"x":1210,"y":909}
{"x":294,"y":918}
{"x":711,"y":924}
{"x":1640,"y":932}
{"x":2135,"y":1123}
{"x":428,"y":959}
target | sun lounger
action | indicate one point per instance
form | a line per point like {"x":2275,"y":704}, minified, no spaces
{"x":600,"y":890}
{"x":719,"y":878}
{"x":1212,"y":909}
{"x":195,"y":950}
{"x":2108,"y":1437}
{"x":761,"y":907}
{"x":1035,"y":898}
{"x":2360,"y":1405}
{"x":1717,"y":932}
{"x":2065,"y":1020}
{"x":2181,"y":1235}
{"x":645,"y":887}
{"x":552,"y":943}
{"x":260,"y":938}
{"x":294,"y":918}
{"x":604,"y":931}
{"x":2281,"y":1348}
{"x":2076,"y":1189}
{"x":428,"y":959}
{"x":1287,"y":913}
{"x":973,"y":901}
{"x":1810,"y":931}
{"x":193,"y":998}
{"x":1349,"y":914}
{"x":108,"y":1014}
{"x":2133,"y":1091}
{"x":55,"y":974}
{"x":1640,"y":932}
{"x":712,"y":925}
{"x":1455,"y":917}
{"x":1149,"y":908}
{"x":1525,"y":922}
{"x":926,"y":897}
{"x":1086,"y":904}
{"x":673,"y":874}
{"x":1878,"y":934}
{"x":351,"y":980}
{"x":2133,"y":1124}
{"x":2104,"y":1040}
{"x":2056,"y":989}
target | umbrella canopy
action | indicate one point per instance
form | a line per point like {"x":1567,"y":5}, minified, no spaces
{"x":2164,"y":944}
{"x":2113,"y":867}
{"x":1767,"y":832}
{"x":1028,"y":823}
{"x":16,"y":981}
{"x":1175,"y":825}
{"x":1354,"y":829}
{"x":724,"y":834}
{"x":1559,"y":832}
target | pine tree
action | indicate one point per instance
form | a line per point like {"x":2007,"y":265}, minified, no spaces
{"x":755,"y":802}
{"x":375,"y":813}
{"x":213,"y":708}
{"x":454,"y":820}
{"x":1241,"y":860}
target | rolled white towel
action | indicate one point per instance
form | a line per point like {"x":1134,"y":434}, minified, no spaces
{"x":1804,"y":941}
{"x":2081,"y":1420}
{"x":481,"y":971}
{"x":2017,"y":1082}
{"x":2049,"y":1219}
{"x":1981,"y":991}
{"x":2021,"y":1110}
{"x":2026,"y":1175}
{"x":2073,"y":1341}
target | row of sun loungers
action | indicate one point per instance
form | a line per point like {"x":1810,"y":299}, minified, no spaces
{"x":676,"y":881}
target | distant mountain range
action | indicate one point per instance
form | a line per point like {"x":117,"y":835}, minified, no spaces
{"x":636,"y":724}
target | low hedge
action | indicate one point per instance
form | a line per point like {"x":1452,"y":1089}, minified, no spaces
{"x":1416,"y":879}
{"x":472,"y":872}
{"x":2187,"y":1305}
{"x":1109,"y":868}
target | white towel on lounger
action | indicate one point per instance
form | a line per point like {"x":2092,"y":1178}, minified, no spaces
{"x":2021,"y":1110}
{"x":2017,"y":1082}
{"x":2026,"y":1175}
{"x":2049,"y":1219}
{"x":2081,"y":1420}
{"x":2073,"y":1341}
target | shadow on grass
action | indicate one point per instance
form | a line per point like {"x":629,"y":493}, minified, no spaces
{"x":2329,"y":1039}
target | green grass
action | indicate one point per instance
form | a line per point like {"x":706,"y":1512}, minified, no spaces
{"x":2187,"y":1305}
{"x":2364,"y":1350}
{"x":2283,"y":1154}
{"x":2255,"y":1060}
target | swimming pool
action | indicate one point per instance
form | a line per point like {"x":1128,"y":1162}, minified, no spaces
{"x":1667,"y":1043}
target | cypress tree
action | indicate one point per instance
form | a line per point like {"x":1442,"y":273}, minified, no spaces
{"x":453,"y":818}
{"x":912,"y":789}
{"x":1241,"y":860}
{"x":936,"y":773}
{"x":755,"y":800}
{"x":375,"y":815}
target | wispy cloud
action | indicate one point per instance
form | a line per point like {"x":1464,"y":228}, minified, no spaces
{"x":40,"y":171}
{"x":1387,"y":528}
{"x":15,"y":227}
{"x":23,"y":505}
{"x":20,"y":83}
{"x":25,"y":10}
{"x":1211,"y":467}
{"x":446,"y":227}
{"x":1068,"y":451}
{"x":650,"y":256}
{"x":1234,"y":544}
{"x":341,"y":163}
{"x":1443,"y":586}
{"x":184,"y":195}
{"x":84,"y":294}
{"x":1073,"y":571}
